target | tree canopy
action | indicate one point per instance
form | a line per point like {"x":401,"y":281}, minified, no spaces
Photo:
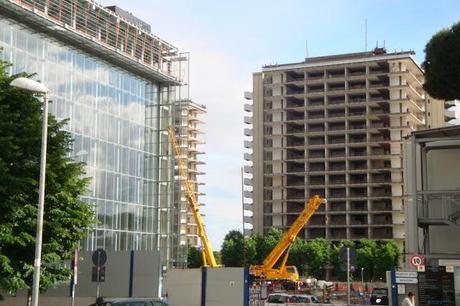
{"x":313,"y":257}
{"x":66,"y":216}
{"x":442,"y":64}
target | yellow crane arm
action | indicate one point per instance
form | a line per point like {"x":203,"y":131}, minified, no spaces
{"x":208,"y":255}
{"x":288,"y":238}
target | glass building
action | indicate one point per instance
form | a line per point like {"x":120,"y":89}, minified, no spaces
{"x":119,"y":108}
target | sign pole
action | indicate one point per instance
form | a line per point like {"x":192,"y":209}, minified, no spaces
{"x":75,"y":276}
{"x":348,"y":276}
{"x":98,"y":271}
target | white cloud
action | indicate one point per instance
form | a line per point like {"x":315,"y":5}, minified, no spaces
{"x":218,"y":79}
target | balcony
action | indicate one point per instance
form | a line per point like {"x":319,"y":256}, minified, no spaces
{"x":315,"y":141}
{"x":316,"y":154}
{"x":294,"y":90}
{"x":316,"y":167}
{"x":316,"y":102}
{"x":316,"y":180}
{"x":315,"y":115}
{"x":358,"y":219}
{"x":382,"y":219}
{"x":337,"y":179}
{"x":336,"y":139}
{"x":358,"y":205}
{"x":337,"y":206}
{"x":338,"y":220}
{"x":382,"y":205}
{"x":338,"y":233}
{"x":294,"y":76}
{"x":337,"y":153}
{"x":316,"y":128}
{"x":315,"y":75}
{"x":382,"y":233}
{"x":438,"y":208}
{"x":336,"y":127}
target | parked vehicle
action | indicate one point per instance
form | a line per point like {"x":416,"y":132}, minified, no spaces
{"x":303,"y":298}
{"x":275,"y":299}
{"x":379,"y":296}
{"x":129,"y":302}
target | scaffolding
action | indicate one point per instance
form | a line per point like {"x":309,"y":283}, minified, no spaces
{"x":97,"y":25}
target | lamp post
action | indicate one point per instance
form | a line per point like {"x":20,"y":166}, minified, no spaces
{"x":362,"y":278}
{"x":35,"y":87}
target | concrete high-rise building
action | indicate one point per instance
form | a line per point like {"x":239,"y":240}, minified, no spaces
{"x":334,"y":126}
{"x":115,"y":81}
{"x":188,"y":117}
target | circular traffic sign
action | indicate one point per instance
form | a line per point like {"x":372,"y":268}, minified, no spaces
{"x":99,"y":257}
{"x":416,"y":260}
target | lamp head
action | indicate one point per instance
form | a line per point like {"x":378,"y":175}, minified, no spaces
{"x":29,"y":85}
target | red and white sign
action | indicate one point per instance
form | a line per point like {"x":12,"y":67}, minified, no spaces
{"x":417,"y":260}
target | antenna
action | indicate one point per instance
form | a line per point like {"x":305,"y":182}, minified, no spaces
{"x":306,"y":48}
{"x":365,"y":35}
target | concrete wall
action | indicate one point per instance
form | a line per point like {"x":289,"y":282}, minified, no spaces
{"x":225,"y":287}
{"x":218,"y":286}
{"x":143,"y":280}
{"x":184,"y":287}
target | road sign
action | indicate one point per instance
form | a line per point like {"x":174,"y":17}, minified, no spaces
{"x":99,"y":257}
{"x":406,"y":274}
{"x":98,"y":274}
{"x":343,"y":254}
{"x":401,"y":289}
{"x":406,"y":280}
{"x":416,"y":260}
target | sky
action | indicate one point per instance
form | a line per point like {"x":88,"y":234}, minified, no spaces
{"x":229,"y":40}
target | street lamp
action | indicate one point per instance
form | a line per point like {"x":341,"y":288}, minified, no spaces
{"x":35,"y":87}
{"x":362,"y":277}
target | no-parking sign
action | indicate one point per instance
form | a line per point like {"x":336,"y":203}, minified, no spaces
{"x":416,"y":261}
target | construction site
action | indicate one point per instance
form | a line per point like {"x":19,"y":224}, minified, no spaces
{"x":339,"y":148}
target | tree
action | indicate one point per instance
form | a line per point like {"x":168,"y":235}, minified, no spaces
{"x":336,"y":262}
{"x":387,"y":256}
{"x":66,"y":216}
{"x":317,"y":255}
{"x":442,"y":64}
{"x":232,"y":249}
{"x":194,"y":257}
{"x":297,"y":256}
{"x":365,"y":258}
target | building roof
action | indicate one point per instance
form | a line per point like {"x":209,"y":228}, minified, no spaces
{"x":378,"y":54}
{"x":143,"y":54}
{"x":444,"y":132}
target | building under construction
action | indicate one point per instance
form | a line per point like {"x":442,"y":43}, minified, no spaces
{"x":334,"y":126}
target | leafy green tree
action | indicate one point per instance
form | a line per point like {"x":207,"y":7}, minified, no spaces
{"x":317,"y":253}
{"x":194,"y":257}
{"x":268,"y":242}
{"x":232,"y":249}
{"x":298,"y":257}
{"x":387,"y":256}
{"x":65,"y":216}
{"x":365,"y":258}
{"x":442,"y":64}
{"x":336,"y":262}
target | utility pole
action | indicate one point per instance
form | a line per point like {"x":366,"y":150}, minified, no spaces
{"x":348,"y":276}
{"x":242,"y":216}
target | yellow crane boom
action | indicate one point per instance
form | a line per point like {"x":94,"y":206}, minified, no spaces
{"x":266,"y":269}
{"x":208,"y":255}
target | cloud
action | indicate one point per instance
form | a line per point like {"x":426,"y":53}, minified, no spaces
{"x":218,"y":78}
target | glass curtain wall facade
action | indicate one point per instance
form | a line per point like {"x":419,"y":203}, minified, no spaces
{"x":119,"y":122}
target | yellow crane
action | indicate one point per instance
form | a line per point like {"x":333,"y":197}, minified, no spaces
{"x":208,"y":255}
{"x":266,"y":270}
